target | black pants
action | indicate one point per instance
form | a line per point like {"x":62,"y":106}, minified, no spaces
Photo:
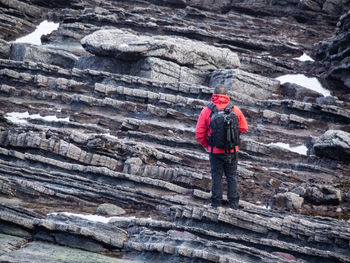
{"x":220,"y":165}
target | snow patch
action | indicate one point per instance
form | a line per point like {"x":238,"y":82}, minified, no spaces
{"x":43,"y":28}
{"x":304,"y":58}
{"x":22,"y":117}
{"x":302,"y":80}
{"x":301,"y":149}
{"x":94,"y":218}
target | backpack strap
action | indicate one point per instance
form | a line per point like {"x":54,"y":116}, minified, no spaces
{"x":230,"y":106}
{"x":212,"y":107}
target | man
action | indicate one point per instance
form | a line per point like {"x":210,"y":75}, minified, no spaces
{"x":220,"y":162}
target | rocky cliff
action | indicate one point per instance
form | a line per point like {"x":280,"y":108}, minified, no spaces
{"x":103,"y":114}
{"x":333,"y":57}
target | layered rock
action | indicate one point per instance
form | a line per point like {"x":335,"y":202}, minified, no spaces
{"x":161,"y":58}
{"x":37,"y":252}
{"x":243,"y":85}
{"x":116,"y":126}
{"x":334,"y":144}
{"x":126,"y":46}
{"x":33,"y":53}
{"x":17,"y":18}
{"x":333,"y":55}
{"x":5,"y":49}
{"x":249,"y":235}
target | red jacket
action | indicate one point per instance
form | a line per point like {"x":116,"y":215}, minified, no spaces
{"x":202,"y":128}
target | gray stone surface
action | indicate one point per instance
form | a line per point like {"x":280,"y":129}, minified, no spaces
{"x":98,"y":232}
{"x":110,"y":210}
{"x":9,"y":243}
{"x":289,"y":201}
{"x":38,"y":252}
{"x":334,"y":7}
{"x":5,"y":49}
{"x":244,"y":85}
{"x":28,"y":52}
{"x":103,"y":64}
{"x":203,"y":223}
{"x":167,"y":71}
{"x":323,"y":194}
{"x":332,"y":53}
{"x":294,"y":91}
{"x":127,"y":46}
{"x":334,"y":144}
{"x":127,"y":137}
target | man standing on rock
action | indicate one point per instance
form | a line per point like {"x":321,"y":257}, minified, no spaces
{"x":223,"y":160}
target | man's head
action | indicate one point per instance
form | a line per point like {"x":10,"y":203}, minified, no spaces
{"x":220,"y":90}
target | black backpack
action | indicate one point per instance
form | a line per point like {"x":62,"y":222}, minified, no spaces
{"x":224,"y":126}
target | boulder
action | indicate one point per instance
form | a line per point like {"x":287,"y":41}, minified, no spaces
{"x":323,"y":195}
{"x":128,"y":46}
{"x":295,"y":91}
{"x":288,"y":200}
{"x":110,"y":210}
{"x":39,"y":54}
{"x":334,"y":7}
{"x":317,"y":194}
{"x":333,"y":144}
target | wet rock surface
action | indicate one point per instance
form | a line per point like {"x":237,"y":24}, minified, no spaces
{"x":38,"y":252}
{"x":109,"y":130}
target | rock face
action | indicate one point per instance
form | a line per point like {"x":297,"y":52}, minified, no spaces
{"x":333,"y":54}
{"x":38,"y":252}
{"x":184,"y":236}
{"x":162,"y":58}
{"x":9,"y":243}
{"x":334,"y":145}
{"x":293,"y":196}
{"x":5,"y":49}
{"x":244,"y":85}
{"x":110,"y":129}
{"x":126,"y":46}
{"x":17,"y":18}
{"x":33,"y":53}
{"x":298,"y":92}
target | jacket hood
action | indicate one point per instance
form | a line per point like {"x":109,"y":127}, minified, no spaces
{"x":220,"y":100}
